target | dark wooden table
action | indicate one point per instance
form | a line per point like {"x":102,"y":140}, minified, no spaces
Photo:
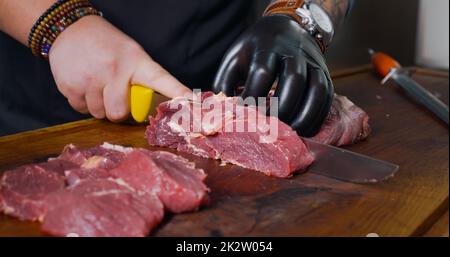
{"x":247,"y":203}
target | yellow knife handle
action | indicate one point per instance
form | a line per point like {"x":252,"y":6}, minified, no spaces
{"x":141,"y":102}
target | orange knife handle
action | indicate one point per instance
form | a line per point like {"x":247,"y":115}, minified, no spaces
{"x":383,"y":63}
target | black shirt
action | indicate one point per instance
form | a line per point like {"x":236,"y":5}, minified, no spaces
{"x":188,"y":38}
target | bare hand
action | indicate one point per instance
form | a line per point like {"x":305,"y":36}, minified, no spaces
{"x":93,"y":64}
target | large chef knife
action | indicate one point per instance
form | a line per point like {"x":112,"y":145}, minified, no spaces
{"x":348,"y":166}
{"x":390,"y":69}
{"x":330,"y":161}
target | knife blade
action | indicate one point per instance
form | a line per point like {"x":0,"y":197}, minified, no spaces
{"x":421,"y":95}
{"x":348,"y":166}
{"x":390,"y":69}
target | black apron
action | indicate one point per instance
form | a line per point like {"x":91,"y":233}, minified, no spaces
{"x":188,"y":38}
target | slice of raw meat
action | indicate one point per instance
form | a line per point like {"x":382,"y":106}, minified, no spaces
{"x":103,"y":207}
{"x":92,"y":163}
{"x":23,"y":190}
{"x":228,"y":134}
{"x":74,"y":176}
{"x":173,"y":179}
{"x":107,"y":190}
{"x":182,"y":188}
{"x":105,"y":156}
{"x":346,"y":124}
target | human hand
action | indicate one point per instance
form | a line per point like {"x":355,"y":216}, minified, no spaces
{"x":278,"y":47}
{"x":94,"y":64}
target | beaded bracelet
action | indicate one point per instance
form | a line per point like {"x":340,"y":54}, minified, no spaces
{"x":40,"y":32}
{"x":55,"y":20}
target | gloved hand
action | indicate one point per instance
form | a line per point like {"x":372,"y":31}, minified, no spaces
{"x":278,"y":47}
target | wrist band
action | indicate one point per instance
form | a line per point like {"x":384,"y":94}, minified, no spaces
{"x":286,"y":7}
{"x":55,"y":20}
{"x":289,"y":7}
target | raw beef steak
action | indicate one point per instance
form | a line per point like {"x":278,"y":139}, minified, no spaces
{"x":173,"y":179}
{"x":239,"y":135}
{"x":107,"y":190}
{"x":23,"y":190}
{"x":346,"y":124}
{"x":180,"y":178}
{"x":103,"y":207}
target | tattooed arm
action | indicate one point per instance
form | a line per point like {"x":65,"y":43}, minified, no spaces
{"x":337,"y":10}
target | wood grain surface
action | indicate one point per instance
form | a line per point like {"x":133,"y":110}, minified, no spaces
{"x":440,"y":228}
{"x":247,"y":203}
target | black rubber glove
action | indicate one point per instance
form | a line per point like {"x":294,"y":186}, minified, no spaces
{"x":277,"y":47}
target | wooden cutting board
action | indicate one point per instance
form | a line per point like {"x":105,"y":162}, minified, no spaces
{"x":247,"y":203}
